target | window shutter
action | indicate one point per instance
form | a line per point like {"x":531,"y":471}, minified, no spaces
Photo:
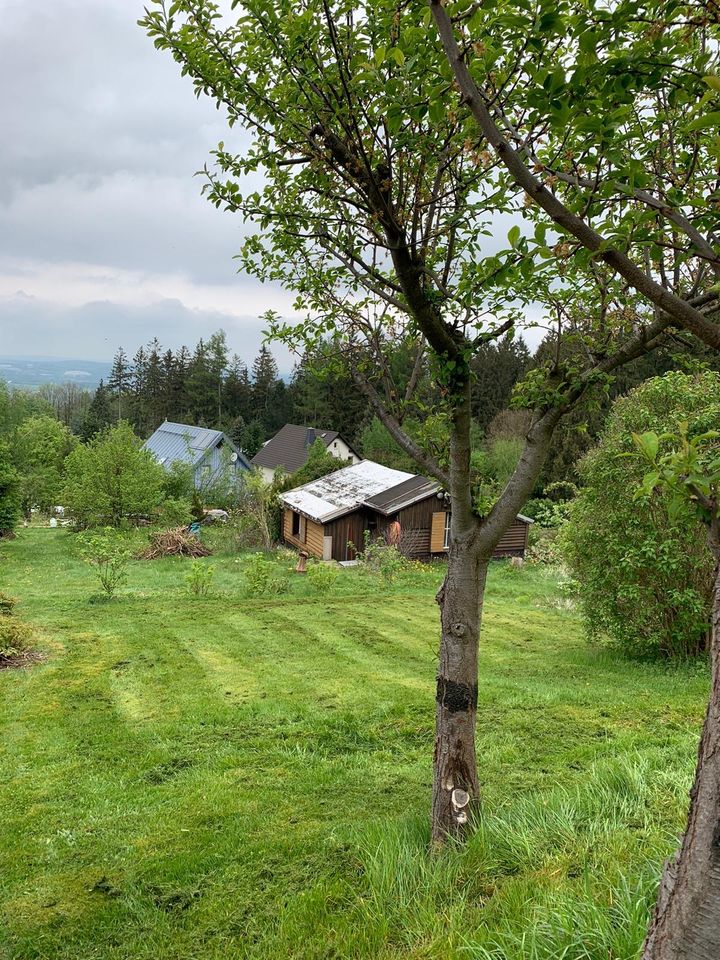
{"x":437,"y":533}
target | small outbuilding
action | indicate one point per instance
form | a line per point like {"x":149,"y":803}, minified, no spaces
{"x":208,"y":452}
{"x":290,"y":447}
{"x":329,"y":517}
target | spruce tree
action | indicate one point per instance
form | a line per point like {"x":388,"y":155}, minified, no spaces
{"x":119,"y":382}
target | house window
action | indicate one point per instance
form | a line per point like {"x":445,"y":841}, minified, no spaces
{"x":446,"y":541}
{"x":295,"y":524}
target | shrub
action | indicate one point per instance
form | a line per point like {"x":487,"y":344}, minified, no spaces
{"x":239,"y":533}
{"x":263,"y":577}
{"x":7,"y":605}
{"x":200,"y":578}
{"x":15,"y":637}
{"x":543,"y":546}
{"x":382,"y":558}
{"x":112,"y":478}
{"x":175,"y":513}
{"x":644,"y":577}
{"x":9,"y":493}
{"x":108,"y":553}
{"x":323,"y":576}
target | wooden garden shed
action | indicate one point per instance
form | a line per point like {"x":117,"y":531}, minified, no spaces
{"x":329,"y":517}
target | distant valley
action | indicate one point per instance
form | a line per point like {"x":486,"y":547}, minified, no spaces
{"x":34,"y":371}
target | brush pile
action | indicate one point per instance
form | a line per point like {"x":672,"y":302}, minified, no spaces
{"x":177,"y":542}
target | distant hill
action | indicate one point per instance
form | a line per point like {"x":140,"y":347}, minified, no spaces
{"x":34,"y":371}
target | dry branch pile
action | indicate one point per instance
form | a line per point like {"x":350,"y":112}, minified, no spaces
{"x":174,"y":543}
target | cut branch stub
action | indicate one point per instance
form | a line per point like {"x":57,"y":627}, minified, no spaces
{"x":460,"y":800}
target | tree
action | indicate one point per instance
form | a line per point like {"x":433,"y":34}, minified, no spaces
{"x":99,"y":414}
{"x":376,"y":443}
{"x":496,"y":368}
{"x":606,"y":127}
{"x":319,"y":463}
{"x":70,"y":403}
{"x":9,"y":493}
{"x":325,"y":395}
{"x":40,"y":448}
{"x":17,"y":405}
{"x":112,"y":478}
{"x":644,"y":573}
{"x":686,"y":465}
{"x":119,"y":382}
{"x":264,"y":381}
{"x":373,"y":210}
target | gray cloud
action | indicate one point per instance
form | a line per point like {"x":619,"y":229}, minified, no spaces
{"x":102,"y":223}
{"x":103,"y":137}
{"x":95,"y":330}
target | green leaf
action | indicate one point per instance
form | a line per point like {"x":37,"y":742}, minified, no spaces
{"x":514,"y":235}
{"x":647,"y":444}
{"x":706,"y":122}
{"x":713,"y":82}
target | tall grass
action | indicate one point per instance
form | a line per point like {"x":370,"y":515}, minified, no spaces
{"x":568,"y":874}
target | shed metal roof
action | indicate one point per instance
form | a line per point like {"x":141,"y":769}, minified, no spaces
{"x":402,"y":495}
{"x":344,"y":490}
{"x":183,"y":443}
{"x":290,"y":446}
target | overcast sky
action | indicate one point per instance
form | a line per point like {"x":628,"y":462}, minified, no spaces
{"x":104,"y":237}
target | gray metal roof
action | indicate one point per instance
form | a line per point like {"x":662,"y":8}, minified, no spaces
{"x":182,"y":443}
{"x":403,"y":495}
{"x":290,"y":446}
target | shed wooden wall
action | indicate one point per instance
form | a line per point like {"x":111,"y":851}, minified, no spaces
{"x":313,"y":542}
{"x":422,"y":533}
{"x":513,"y":543}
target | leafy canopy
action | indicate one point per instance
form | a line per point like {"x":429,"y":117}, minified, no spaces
{"x":112,"y":478}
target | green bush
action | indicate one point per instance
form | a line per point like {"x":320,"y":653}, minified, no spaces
{"x":543,"y":546}
{"x":15,"y":637}
{"x":644,"y":579}
{"x":7,"y":605}
{"x":263,"y":577}
{"x":109,"y":554}
{"x":9,"y":493}
{"x":382,"y":558}
{"x":199,"y":578}
{"x":175,"y":513}
{"x":323,"y":576}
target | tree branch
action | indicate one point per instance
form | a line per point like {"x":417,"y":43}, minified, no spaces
{"x":664,"y":299}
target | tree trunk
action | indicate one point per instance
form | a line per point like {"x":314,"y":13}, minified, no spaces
{"x":455,"y":779}
{"x":455,"y":782}
{"x":686,"y":922}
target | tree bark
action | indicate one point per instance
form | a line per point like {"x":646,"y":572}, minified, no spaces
{"x":686,"y":921}
{"x":455,"y":779}
{"x":455,"y":784}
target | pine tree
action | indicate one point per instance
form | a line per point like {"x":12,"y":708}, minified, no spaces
{"x":264,"y":379}
{"x":496,"y":369}
{"x":100,"y":412}
{"x":217,"y":354}
{"x":119,"y":382}
{"x":237,"y":391}
{"x":202,"y":398}
{"x":154,"y":408}
{"x":138,"y":403}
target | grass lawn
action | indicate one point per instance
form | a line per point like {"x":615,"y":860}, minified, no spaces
{"x":194,"y":779}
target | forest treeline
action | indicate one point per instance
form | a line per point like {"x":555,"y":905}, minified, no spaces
{"x":211,"y":387}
